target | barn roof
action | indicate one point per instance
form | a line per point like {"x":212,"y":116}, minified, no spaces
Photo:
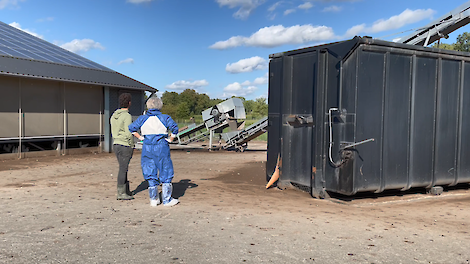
{"x":22,"y":54}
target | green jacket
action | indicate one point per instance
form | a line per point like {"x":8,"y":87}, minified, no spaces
{"x":120,"y":121}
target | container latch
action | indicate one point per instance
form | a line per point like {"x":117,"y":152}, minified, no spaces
{"x":300,"y":120}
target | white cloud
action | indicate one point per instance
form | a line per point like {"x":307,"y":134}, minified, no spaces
{"x":82,"y":45}
{"x":247,"y":65}
{"x":274,"y":36}
{"x":261,"y":80}
{"x":246,"y":7}
{"x":236,"y":89}
{"x":233,"y":87}
{"x":6,"y":3}
{"x":355,"y":30}
{"x":306,"y":5}
{"x":271,"y":10}
{"x":47,"y":19}
{"x":18,"y":26}
{"x":289,"y":11}
{"x":245,"y":88}
{"x":406,"y":17}
{"x":332,"y":8}
{"x":128,"y":60}
{"x":183,"y":85}
{"x":273,"y":7}
{"x":258,"y":81}
{"x":329,"y":1}
{"x":271,"y":16}
{"x":229,"y":43}
{"x":138,"y":1}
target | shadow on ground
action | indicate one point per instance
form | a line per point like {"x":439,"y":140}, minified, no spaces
{"x":395,"y":193}
{"x":179,"y":188}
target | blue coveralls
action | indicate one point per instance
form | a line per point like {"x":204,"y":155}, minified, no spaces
{"x":156,"y":163}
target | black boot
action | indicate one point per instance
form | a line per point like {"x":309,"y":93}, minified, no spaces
{"x":121,"y":192}
{"x":128,"y":191}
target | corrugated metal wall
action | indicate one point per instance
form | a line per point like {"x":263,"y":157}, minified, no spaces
{"x":9,"y":106}
{"x":43,"y":103}
{"x":414,"y":105}
{"x":412,"y":101}
{"x":83,"y":104}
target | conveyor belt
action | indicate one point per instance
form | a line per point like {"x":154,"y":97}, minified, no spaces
{"x":239,"y":139}
{"x":441,"y":27}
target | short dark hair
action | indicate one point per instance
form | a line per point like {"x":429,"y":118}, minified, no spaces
{"x":124,"y":100}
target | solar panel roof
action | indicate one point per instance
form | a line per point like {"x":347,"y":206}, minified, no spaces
{"x":19,"y":44}
{"x":24,"y":54}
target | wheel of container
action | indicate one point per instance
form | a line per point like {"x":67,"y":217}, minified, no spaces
{"x":323,"y":194}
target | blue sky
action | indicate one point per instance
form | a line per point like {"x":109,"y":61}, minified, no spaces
{"x":217,"y":47}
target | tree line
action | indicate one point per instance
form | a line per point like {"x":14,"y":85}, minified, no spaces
{"x":462,"y":43}
{"x":190,"y":103}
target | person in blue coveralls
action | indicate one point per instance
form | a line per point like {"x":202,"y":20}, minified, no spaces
{"x":156,"y":163}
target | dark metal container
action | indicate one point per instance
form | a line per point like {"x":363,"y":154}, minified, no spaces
{"x":369,"y":115}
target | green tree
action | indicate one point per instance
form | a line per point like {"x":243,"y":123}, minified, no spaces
{"x":170,"y":98}
{"x":463,"y":42}
{"x":190,"y":103}
{"x":189,"y":97}
{"x":249,"y":105}
{"x":169,"y":109}
{"x":260,"y":107}
{"x":202,"y":103}
{"x":216,"y":101}
{"x":183,"y":111}
{"x":444,"y":46}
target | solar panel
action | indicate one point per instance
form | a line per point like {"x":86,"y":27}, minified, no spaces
{"x":19,"y":44}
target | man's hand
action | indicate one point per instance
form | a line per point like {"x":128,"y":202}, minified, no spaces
{"x":170,"y":139}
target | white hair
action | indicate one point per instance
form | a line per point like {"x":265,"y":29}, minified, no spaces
{"x":154,"y":103}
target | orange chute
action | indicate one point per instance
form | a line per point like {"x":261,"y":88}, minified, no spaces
{"x":275,"y":176}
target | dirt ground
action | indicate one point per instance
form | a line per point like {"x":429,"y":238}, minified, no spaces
{"x":64,"y":210}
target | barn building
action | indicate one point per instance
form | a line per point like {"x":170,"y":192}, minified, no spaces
{"x":54,"y":101}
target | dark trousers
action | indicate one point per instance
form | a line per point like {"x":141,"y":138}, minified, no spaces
{"x":124,"y":156}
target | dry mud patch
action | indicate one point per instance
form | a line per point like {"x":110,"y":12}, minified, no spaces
{"x":63,"y":209}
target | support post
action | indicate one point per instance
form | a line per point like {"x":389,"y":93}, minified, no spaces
{"x":211,"y":135}
{"x":59,"y":147}
{"x":20,"y":119}
{"x":106,"y":116}
{"x":64,"y":146}
{"x":65,"y":132}
{"x":20,"y":131}
{"x":100,"y":145}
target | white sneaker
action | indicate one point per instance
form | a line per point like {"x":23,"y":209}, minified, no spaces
{"x":172,"y":202}
{"x":154,"y":202}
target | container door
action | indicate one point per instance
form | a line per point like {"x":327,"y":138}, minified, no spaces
{"x":297,"y":150}
{"x":274,"y":117}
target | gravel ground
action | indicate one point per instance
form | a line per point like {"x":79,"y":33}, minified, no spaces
{"x":64,"y":210}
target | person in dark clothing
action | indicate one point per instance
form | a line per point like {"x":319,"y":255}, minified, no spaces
{"x":123,"y":144}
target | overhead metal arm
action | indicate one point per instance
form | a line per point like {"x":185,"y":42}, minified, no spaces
{"x":440,"y":28}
